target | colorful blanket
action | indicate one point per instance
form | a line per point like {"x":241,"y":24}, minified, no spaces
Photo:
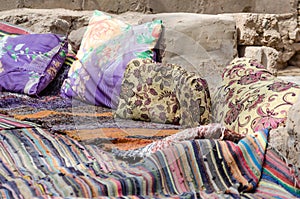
{"x":211,"y":131}
{"x":10,"y":123}
{"x":37,"y":163}
{"x":82,"y":121}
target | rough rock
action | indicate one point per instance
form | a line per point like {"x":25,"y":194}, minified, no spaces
{"x":271,"y":30}
{"x":267,"y":56}
{"x":60,"y":21}
{"x":201,"y":43}
{"x":75,"y":38}
{"x":296,"y":47}
{"x":159,"y":6}
{"x":293,"y":130}
{"x":291,"y":73}
{"x":295,"y":35}
{"x":295,"y":60}
{"x":287,"y":139}
{"x":221,"y":6}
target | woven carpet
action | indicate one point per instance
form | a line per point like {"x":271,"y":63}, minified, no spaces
{"x":82,"y":121}
{"x":11,"y":123}
{"x":37,"y":163}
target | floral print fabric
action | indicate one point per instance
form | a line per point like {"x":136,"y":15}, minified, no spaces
{"x":163,"y":94}
{"x":251,"y":98}
{"x":28,"y":63}
{"x":107,"y":46}
{"x":55,"y":85}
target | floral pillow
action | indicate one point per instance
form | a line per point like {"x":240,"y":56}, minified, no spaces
{"x":55,"y":85}
{"x":251,"y":98}
{"x":28,"y":63}
{"x":107,"y":46}
{"x":163,"y":94}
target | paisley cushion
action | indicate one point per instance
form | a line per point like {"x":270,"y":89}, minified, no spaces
{"x":251,"y":98}
{"x":164,"y":94}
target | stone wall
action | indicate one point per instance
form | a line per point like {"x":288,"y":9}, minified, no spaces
{"x":159,"y":6}
{"x":270,"y":38}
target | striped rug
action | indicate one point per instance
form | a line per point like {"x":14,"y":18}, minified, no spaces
{"x":37,"y":163}
{"x":11,"y":123}
{"x":81,"y":121}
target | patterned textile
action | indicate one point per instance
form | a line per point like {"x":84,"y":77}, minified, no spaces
{"x":11,"y":123}
{"x":92,"y":124}
{"x":36,"y":163}
{"x":28,"y":63}
{"x":210,"y":131}
{"x":9,"y":29}
{"x":107,"y":46}
{"x":55,"y":85}
{"x":251,"y":99}
{"x":163,"y":94}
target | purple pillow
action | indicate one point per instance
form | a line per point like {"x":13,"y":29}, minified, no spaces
{"x":28,"y":63}
{"x":107,"y":47}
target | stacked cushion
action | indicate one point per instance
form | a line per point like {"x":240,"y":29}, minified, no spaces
{"x":251,"y":98}
{"x":54,"y":86}
{"x":28,"y":63}
{"x":163,"y":94}
{"x":107,"y":46}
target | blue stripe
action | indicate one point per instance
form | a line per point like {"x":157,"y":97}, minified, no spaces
{"x":250,"y":152}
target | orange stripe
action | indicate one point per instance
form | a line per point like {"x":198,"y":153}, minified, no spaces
{"x":87,"y":134}
{"x":232,"y":164}
{"x":46,"y":113}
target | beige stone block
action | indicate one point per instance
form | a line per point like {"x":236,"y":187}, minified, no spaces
{"x":295,"y":60}
{"x":295,"y":35}
{"x":61,"y":21}
{"x":278,"y":31}
{"x":49,"y":4}
{"x":267,"y":56}
{"x":296,"y":46}
{"x":287,"y":140}
{"x":162,"y":6}
{"x":201,"y":43}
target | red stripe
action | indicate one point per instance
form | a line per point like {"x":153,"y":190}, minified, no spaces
{"x":16,"y":124}
{"x":274,"y":161}
{"x":12,"y":30}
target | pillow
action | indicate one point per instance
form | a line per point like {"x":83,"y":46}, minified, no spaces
{"x":28,"y":63}
{"x":163,"y":94}
{"x":107,"y":46}
{"x":55,"y":85}
{"x":251,"y":98}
